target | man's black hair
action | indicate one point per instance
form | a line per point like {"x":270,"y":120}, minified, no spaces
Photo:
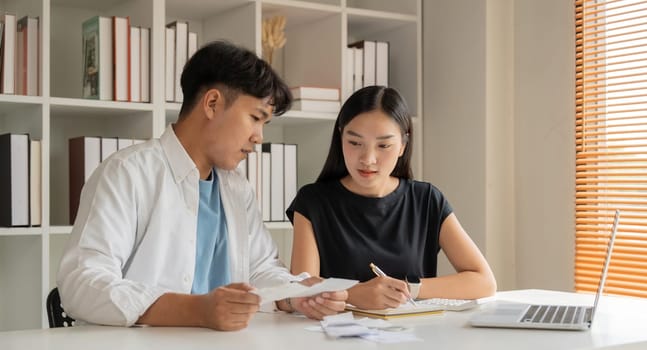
{"x":234,"y":70}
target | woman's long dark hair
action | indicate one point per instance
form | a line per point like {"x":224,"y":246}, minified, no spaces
{"x":367,"y":99}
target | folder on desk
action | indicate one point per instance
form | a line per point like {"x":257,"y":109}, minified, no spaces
{"x":404,"y":310}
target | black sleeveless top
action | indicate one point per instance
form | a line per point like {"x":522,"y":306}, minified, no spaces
{"x":398,"y":232}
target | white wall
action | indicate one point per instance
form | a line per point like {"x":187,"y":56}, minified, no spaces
{"x":500,"y":210}
{"x":454,"y":106}
{"x":545,"y":143}
{"x":499,"y":131}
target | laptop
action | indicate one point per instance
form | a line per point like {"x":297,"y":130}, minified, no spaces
{"x":564,"y":317}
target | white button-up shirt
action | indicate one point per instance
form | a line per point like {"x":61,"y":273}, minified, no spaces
{"x":134,"y":235}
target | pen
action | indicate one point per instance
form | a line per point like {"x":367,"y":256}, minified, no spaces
{"x":376,"y":270}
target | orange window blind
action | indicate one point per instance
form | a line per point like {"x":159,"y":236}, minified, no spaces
{"x":611,"y":143}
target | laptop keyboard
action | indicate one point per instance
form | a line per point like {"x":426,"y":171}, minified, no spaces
{"x":556,"y":314}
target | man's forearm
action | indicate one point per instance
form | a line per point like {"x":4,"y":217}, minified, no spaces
{"x":173,"y":309}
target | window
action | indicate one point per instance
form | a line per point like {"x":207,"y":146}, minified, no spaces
{"x":611,"y":143}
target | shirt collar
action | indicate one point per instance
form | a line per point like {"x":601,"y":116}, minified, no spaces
{"x":179,"y":160}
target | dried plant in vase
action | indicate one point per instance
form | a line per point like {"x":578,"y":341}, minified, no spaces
{"x":273,"y":36}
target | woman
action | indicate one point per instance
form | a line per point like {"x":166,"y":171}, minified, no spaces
{"x":365,"y":208}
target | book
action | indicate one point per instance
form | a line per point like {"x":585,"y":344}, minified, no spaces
{"x":349,"y":65}
{"x":181,"y":54}
{"x":192,"y":46}
{"x":265,"y":184}
{"x":368,"y":60}
{"x":315,"y":93}
{"x":21,"y":57}
{"x":181,"y":51}
{"x":108,"y":147}
{"x":1,"y":48}
{"x":145,"y":64}
{"x":27,"y":56}
{"x":358,"y":68}
{"x":169,"y":65}
{"x":84,"y":158}
{"x":316,"y":106}
{"x":123,"y":143}
{"x":135,"y":57}
{"x":8,"y":54}
{"x":382,"y":63}
{"x":35,"y":181}
{"x":253,"y":166}
{"x":258,"y":149}
{"x":404,"y":310}
{"x":121,"y":57}
{"x":97,"y":58}
{"x":276,"y":180}
{"x":290,"y":176}
{"x":14,"y":180}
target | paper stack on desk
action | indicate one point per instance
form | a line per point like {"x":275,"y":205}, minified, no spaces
{"x":298,"y":290}
{"x":380,"y":331}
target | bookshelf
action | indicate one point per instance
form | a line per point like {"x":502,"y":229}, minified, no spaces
{"x":317,"y":32}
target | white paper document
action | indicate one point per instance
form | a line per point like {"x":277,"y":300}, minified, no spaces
{"x":376,"y":330}
{"x":297,"y":290}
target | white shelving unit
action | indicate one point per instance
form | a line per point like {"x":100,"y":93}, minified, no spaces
{"x":317,"y":31}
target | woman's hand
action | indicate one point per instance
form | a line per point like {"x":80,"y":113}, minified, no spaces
{"x":316,"y":306}
{"x":379,"y":293}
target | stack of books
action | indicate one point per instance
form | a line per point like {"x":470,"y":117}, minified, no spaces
{"x":272,"y":171}
{"x":20,"y":181}
{"x":181,"y":44}
{"x":19,"y":55}
{"x":315,"y":99}
{"x":85,"y":155}
{"x":116,"y":60}
{"x":368,"y":63}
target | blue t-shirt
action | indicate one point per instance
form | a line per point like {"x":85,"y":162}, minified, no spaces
{"x":212,"y":258}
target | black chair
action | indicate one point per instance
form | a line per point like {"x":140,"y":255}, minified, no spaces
{"x":55,"y":313}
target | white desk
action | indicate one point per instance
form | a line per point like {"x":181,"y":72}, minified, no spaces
{"x":619,"y":321}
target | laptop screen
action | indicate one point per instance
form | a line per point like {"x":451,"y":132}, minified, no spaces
{"x":605,"y":268}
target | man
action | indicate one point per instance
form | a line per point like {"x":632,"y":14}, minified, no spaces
{"x":165,"y":227}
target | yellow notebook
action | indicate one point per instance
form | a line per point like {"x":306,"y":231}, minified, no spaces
{"x":404,"y":310}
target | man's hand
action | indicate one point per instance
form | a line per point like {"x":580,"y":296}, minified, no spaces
{"x":226,"y":308}
{"x":230,"y":307}
{"x":379,"y":293}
